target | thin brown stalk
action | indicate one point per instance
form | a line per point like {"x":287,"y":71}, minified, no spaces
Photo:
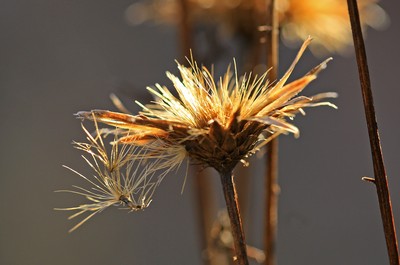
{"x":232,"y":206}
{"x":271,"y":176}
{"x":380,"y":180}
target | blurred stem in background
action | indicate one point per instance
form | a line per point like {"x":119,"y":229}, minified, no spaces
{"x":380,"y":179}
{"x":185,"y":30}
{"x":271,"y":176}
{"x":204,"y":192}
{"x":205,"y":210}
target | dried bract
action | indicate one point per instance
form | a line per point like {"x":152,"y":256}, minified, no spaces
{"x":119,"y":178}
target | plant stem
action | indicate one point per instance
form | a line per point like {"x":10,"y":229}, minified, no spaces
{"x":271,"y":176}
{"x":232,"y":206}
{"x":380,"y":180}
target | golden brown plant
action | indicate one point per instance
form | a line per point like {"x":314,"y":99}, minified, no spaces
{"x":217,"y":124}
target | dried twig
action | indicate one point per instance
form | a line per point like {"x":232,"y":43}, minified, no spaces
{"x":380,"y":180}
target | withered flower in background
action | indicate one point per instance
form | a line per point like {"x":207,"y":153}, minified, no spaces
{"x":119,"y":178}
{"x":326,"y":20}
{"x":217,"y":124}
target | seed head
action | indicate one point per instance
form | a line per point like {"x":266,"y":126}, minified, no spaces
{"x":216,"y":123}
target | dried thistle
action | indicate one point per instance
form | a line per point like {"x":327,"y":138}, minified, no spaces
{"x":119,"y":179}
{"x":217,"y":124}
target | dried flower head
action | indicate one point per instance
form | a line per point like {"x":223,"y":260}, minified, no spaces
{"x":119,"y":179}
{"x":326,"y":20}
{"x":216,"y":123}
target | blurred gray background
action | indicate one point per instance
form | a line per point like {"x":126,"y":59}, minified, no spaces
{"x":59,"y":57}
